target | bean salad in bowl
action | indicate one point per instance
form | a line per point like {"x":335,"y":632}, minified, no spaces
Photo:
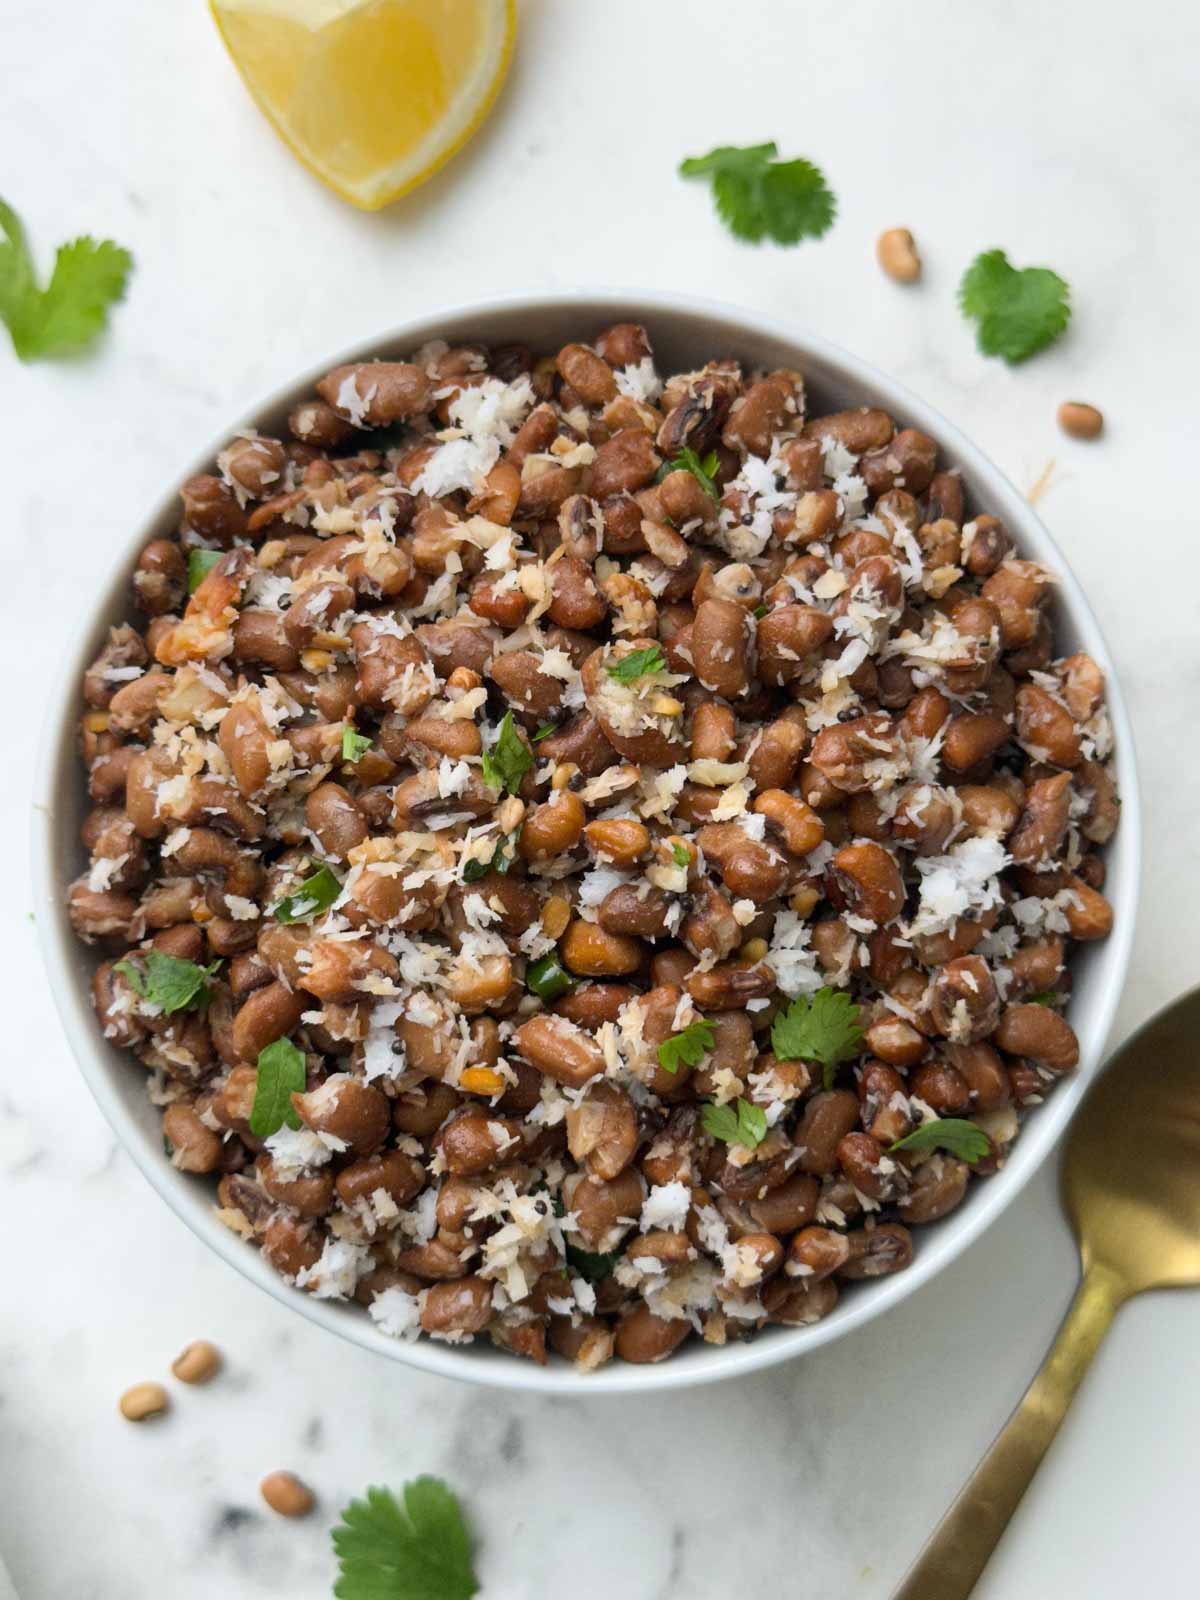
{"x":589,"y":856}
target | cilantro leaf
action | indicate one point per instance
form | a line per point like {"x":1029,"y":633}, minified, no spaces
{"x":825,"y":1029}
{"x":960,"y":1138}
{"x":418,"y":1550}
{"x":88,"y":277}
{"x":687,"y":1047}
{"x":200,"y":564}
{"x":1018,"y":312}
{"x":1048,"y":997}
{"x":681,"y":855}
{"x":167,"y":981}
{"x":590,"y":1266}
{"x":703,"y":471}
{"x":508,"y":760}
{"x":637,"y":664}
{"x":739,"y":1123}
{"x":499,"y":861}
{"x":281,"y":1073}
{"x":354,"y":745}
{"x":758,"y":197}
{"x":544,"y":730}
{"x":316,"y":893}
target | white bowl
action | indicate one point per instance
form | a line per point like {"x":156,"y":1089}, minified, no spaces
{"x":685,"y":332}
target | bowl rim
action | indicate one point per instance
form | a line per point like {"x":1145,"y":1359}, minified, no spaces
{"x":498,"y":1368}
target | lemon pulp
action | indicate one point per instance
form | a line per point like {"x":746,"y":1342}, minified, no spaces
{"x":373,"y":95}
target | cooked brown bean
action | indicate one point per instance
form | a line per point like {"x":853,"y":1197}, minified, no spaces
{"x":602,"y":1131}
{"x":877,"y":1252}
{"x":1040,"y":1034}
{"x":560,"y":1049}
{"x":590,"y":951}
{"x":788,"y":636}
{"x":620,"y":840}
{"x":963,"y":1003}
{"x":643,"y":1337}
{"x":349,"y":1109}
{"x":554,"y":828}
{"x":827,"y":1118}
{"x":864,"y":429}
{"x":455,"y":1309}
{"x":1046,"y":728}
{"x":870,"y":880}
{"x":377,"y":392}
{"x":606,"y":1209}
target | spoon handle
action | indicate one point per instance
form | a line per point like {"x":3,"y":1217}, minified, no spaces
{"x":959,"y":1548}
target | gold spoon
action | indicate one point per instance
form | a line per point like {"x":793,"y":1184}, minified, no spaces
{"x":1131,"y":1184}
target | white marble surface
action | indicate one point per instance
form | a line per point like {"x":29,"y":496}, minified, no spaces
{"x":1068,"y":134}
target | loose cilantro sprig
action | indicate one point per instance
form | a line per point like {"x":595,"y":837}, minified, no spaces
{"x":825,"y":1029}
{"x":167,"y":981}
{"x":315,"y":894}
{"x":354,"y":745}
{"x":960,"y":1138}
{"x":686,"y":1047}
{"x":1017,"y":312}
{"x":704,"y":471}
{"x":758,"y":197}
{"x":200,"y":564}
{"x":89,"y":276}
{"x":638,"y":664}
{"x":281,"y":1073}
{"x":508,"y":760}
{"x":415,"y":1548}
{"x":739,"y":1123}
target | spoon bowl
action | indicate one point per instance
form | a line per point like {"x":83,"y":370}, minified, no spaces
{"x":1131,"y":1168}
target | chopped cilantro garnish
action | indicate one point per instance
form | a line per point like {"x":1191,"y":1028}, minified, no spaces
{"x":508,"y":760}
{"x":758,"y":197}
{"x":315,"y":894}
{"x":544,"y":730}
{"x":703,"y":471}
{"x":1047,"y":998}
{"x":354,"y":745}
{"x":637,"y":664}
{"x":688,"y":1046}
{"x":281,"y":1073}
{"x":589,"y":1265}
{"x":825,"y":1029}
{"x":416,"y":1548}
{"x":681,"y":855}
{"x":1017,"y":312}
{"x":739,"y":1123}
{"x":200,"y":564}
{"x":960,"y":1138}
{"x":168,"y":982}
{"x":67,"y":315}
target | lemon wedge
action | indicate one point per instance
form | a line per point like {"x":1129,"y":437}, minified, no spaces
{"x":373,"y":96}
